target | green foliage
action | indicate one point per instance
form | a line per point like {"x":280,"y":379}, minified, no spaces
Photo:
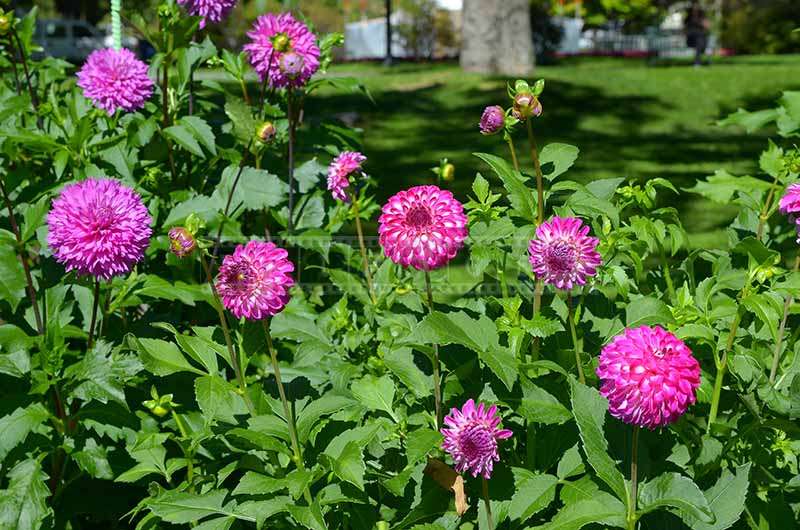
{"x":178,"y":416}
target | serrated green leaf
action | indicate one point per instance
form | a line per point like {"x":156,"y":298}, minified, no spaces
{"x":607,"y":510}
{"x":589,"y":408}
{"x":401,"y":362}
{"x":349,"y":466}
{"x":420,"y":442}
{"x":16,"y":426}
{"x":376,"y":393}
{"x":184,"y":137}
{"x":161,"y":357}
{"x":218,"y":399}
{"x":532,"y":493}
{"x":201,"y":131}
{"x":253,"y":483}
{"x":676,"y":491}
{"x":562,"y":156}
{"x":539,"y":406}
{"x":726,"y":499}
{"x":519,"y":195}
{"x":23,"y":505}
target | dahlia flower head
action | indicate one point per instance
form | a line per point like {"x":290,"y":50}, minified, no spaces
{"x":422,"y":227}
{"x":254,"y":281}
{"x":790,"y":202}
{"x":649,"y":377}
{"x":493,"y":120}
{"x":98,"y":227}
{"x":472,"y":437}
{"x":210,"y":10}
{"x":282,"y":50}
{"x":563,"y":254}
{"x":115,"y":79}
{"x":344,"y":165}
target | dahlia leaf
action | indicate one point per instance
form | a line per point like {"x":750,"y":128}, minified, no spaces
{"x":244,"y":125}
{"x":201,"y":131}
{"x":647,"y":311}
{"x":308,"y":516}
{"x":675,"y":491}
{"x":420,"y":442}
{"x":376,"y":393}
{"x":182,"y":508}
{"x":532,"y":493}
{"x":161,"y":357}
{"x":401,"y":362}
{"x":23,"y":504}
{"x":184,"y":137}
{"x":521,"y":197}
{"x":561,"y":156}
{"x":314,"y":411}
{"x":218,"y":399}
{"x":603,"y":509}
{"x":12,"y":278}
{"x":589,"y":408}
{"x":539,"y":406}
{"x":253,"y":483}
{"x":16,"y":426}
{"x":349,"y":465}
{"x":726,"y":499}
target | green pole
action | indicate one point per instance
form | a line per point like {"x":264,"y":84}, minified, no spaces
{"x":116,"y":24}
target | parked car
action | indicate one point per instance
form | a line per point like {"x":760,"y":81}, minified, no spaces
{"x":72,"y":40}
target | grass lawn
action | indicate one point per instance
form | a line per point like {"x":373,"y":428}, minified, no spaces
{"x":628,"y":119}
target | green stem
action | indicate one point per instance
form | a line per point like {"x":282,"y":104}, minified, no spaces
{"x":722,"y":367}
{"x":776,"y":356}
{"x":538,"y":170}
{"x":437,"y":391}
{"x":537,"y":305}
{"x":95,"y":304}
{"x":667,"y":276}
{"x":513,"y":151}
{"x":237,"y":367}
{"x":362,"y":246}
{"x":631,"y":517}
{"x":489,"y":519}
{"x":762,"y":218}
{"x":290,"y":159}
{"x":298,"y":455}
{"x":576,"y":347}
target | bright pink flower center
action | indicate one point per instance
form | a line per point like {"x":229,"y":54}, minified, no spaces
{"x":476,"y":442}
{"x":560,"y":257}
{"x":419,"y":217}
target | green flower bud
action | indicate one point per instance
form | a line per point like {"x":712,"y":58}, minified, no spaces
{"x":448,"y":172}
{"x":5,"y":23}
{"x":525,"y":106}
{"x":266,"y":132}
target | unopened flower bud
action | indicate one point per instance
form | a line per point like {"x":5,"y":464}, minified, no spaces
{"x":266,"y":132}
{"x":280,"y":43}
{"x":526,"y":105}
{"x":448,"y":172}
{"x":181,"y":241}
{"x":492,"y":120}
{"x":291,"y":64}
{"x":5,"y":23}
{"x":160,"y":411}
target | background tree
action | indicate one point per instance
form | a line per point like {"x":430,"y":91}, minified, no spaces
{"x":496,"y":37}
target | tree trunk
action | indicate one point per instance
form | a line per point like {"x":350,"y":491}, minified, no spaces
{"x":496,"y":37}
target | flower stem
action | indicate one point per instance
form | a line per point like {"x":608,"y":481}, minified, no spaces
{"x":762,"y":218}
{"x":226,"y":212}
{"x":166,"y":118}
{"x":667,"y":276}
{"x":31,"y":90}
{"x":437,"y":392}
{"x":298,"y":455}
{"x":362,"y":246}
{"x":513,"y":151}
{"x":722,"y":366}
{"x":489,"y":519}
{"x":776,"y":357}
{"x":96,"y":303}
{"x":537,"y":305}
{"x":290,"y":159}
{"x":576,"y":347}
{"x":538,"y":170}
{"x":631,"y":517}
{"x":23,"y":257}
{"x":237,"y":367}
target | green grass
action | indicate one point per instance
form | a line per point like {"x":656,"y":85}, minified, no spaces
{"x":627,"y":118}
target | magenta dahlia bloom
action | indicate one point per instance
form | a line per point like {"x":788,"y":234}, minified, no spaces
{"x":98,"y":227}
{"x":790,"y":202}
{"x":649,"y":377}
{"x":492,"y":120}
{"x":344,"y":165}
{"x":282,"y":50}
{"x":115,"y":79}
{"x":563,"y":254}
{"x":423,"y":227}
{"x":254,"y":281}
{"x":210,"y":10}
{"x":472,"y":438}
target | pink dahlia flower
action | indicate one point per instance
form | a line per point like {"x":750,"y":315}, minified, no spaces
{"x":211,"y":10}
{"x":790,"y":202}
{"x":115,"y":79}
{"x":472,"y":438}
{"x":649,"y":377}
{"x":563,"y":254}
{"x":492,"y":120}
{"x":282,"y":50}
{"x":98,"y":227}
{"x":344,"y":165}
{"x":254,"y":281}
{"x":422,"y":227}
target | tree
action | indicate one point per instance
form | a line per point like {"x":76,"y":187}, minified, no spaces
{"x":496,"y":37}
